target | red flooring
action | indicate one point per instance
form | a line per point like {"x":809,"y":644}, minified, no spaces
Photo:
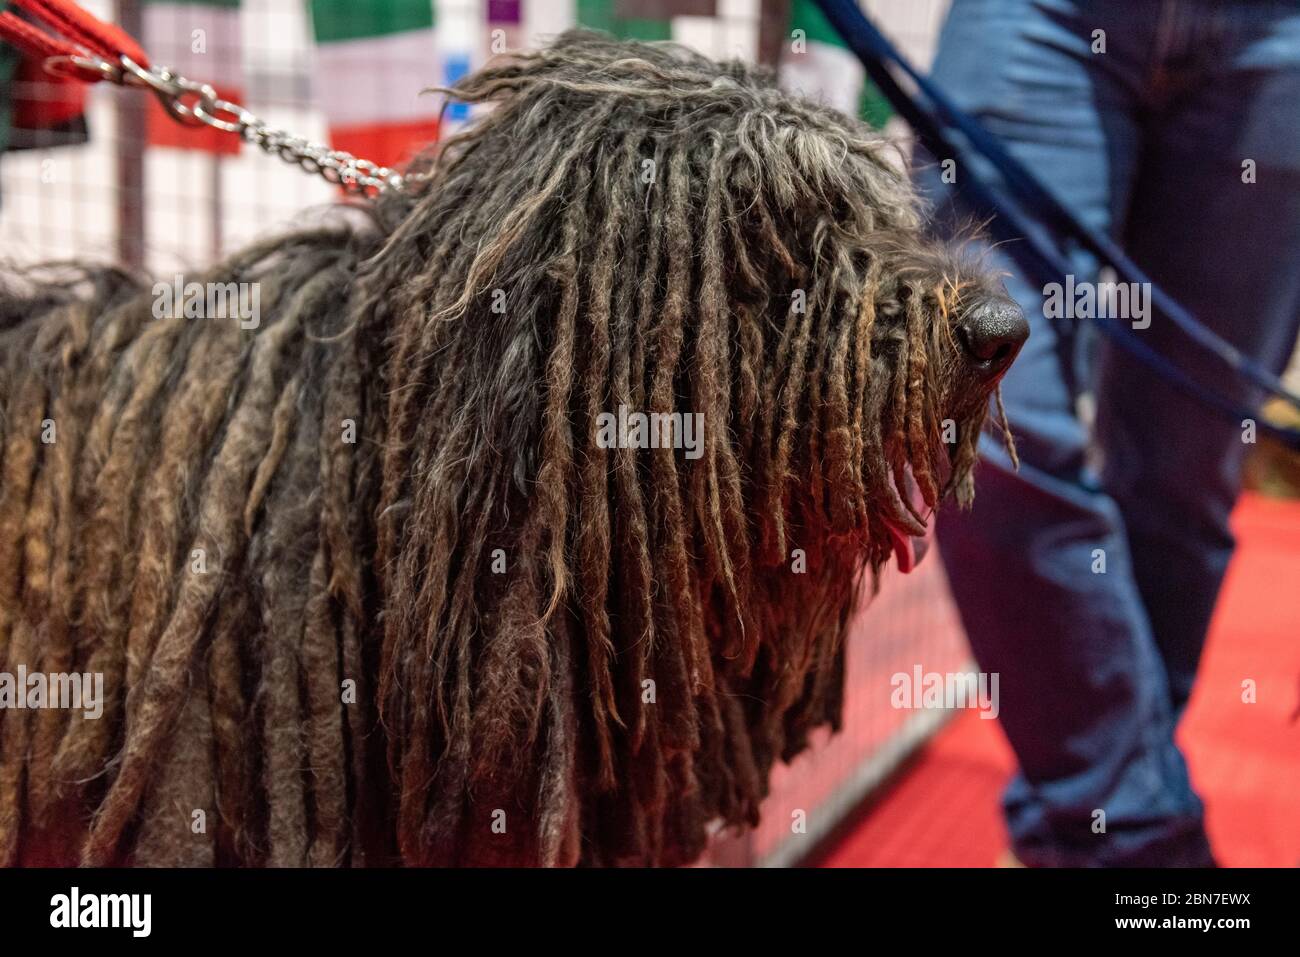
{"x":1245,"y":758}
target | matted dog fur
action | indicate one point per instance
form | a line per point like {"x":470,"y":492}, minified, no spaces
{"x":364,"y":587}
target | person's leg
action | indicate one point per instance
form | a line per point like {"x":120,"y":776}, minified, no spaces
{"x":1229,"y":251}
{"x":1083,"y":695}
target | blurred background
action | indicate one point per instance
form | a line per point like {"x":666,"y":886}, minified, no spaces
{"x":348,"y":72}
{"x":102,"y":174}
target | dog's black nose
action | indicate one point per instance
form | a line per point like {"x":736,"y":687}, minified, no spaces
{"x":992,"y":334}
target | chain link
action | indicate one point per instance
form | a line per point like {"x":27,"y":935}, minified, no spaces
{"x":197,"y":104}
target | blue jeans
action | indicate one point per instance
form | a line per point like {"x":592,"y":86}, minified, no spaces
{"x":1147,"y":141}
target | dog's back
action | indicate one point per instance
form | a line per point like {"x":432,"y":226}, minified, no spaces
{"x":178,"y":493}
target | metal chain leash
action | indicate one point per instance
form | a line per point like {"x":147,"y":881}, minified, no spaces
{"x":197,"y":104}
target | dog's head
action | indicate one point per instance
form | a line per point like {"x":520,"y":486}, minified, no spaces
{"x":671,"y":363}
{"x":944,"y":316}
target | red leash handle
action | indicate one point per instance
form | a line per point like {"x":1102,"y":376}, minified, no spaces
{"x":105,"y":39}
{"x":71,"y":32}
{"x":31,"y":39}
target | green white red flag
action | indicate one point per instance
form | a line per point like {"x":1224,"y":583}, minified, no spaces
{"x":203,"y":41}
{"x":373,"y":60}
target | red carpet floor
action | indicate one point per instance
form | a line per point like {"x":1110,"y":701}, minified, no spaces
{"x":1245,"y":758}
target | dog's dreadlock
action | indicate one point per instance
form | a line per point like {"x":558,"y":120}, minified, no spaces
{"x":361,"y":582}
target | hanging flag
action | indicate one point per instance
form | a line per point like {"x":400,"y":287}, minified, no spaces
{"x":721,"y":29}
{"x":816,"y":64}
{"x":460,"y":39}
{"x":44,"y":110}
{"x":373,"y":59}
{"x":202,"y":41}
{"x":505,"y":26}
{"x":624,"y":20}
{"x":544,"y":20}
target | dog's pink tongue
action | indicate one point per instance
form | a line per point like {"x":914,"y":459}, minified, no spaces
{"x":904,"y":554}
{"x":909,"y":549}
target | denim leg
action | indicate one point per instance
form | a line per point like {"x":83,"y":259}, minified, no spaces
{"x":1084,"y":700}
{"x":1229,"y":251}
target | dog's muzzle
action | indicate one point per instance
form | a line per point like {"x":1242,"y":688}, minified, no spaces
{"x":991,"y":335}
